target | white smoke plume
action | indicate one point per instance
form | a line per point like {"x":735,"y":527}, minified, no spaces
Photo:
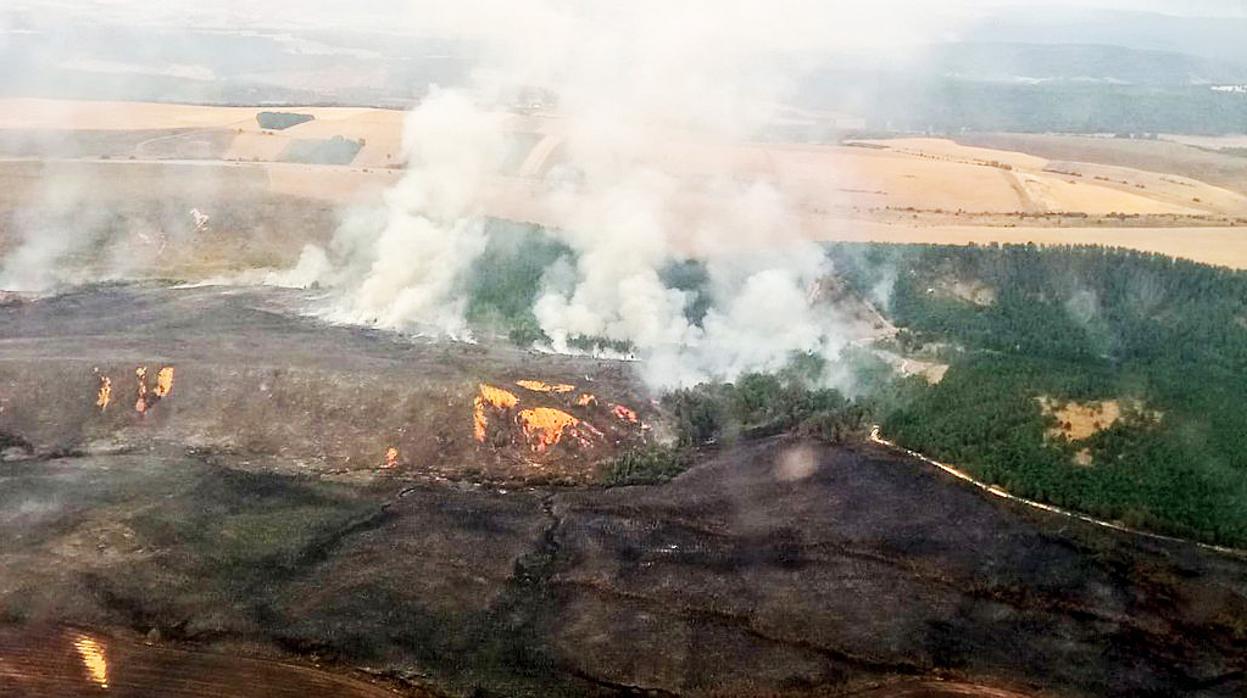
{"x":405,"y":270}
{"x":640,"y":87}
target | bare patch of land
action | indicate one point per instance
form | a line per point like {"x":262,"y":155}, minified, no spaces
{"x":1077,"y":421}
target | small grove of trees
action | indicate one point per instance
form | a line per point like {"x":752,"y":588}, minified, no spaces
{"x":280,"y":120}
{"x":757,"y":405}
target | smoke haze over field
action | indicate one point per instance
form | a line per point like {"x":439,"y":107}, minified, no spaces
{"x":625,"y":79}
{"x":628,"y":78}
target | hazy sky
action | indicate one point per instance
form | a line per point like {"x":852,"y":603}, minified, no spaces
{"x":423,"y":15}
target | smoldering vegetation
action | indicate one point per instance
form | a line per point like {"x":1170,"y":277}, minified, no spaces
{"x":64,"y":223}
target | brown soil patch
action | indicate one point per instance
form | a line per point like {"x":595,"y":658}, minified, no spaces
{"x":1080,"y":420}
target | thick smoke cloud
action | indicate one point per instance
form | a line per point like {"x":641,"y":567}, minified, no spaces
{"x":634,"y":86}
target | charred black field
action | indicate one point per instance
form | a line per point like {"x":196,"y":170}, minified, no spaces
{"x":298,"y":505}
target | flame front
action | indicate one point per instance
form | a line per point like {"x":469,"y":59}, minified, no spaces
{"x":625,"y":414}
{"x":586,"y":399}
{"x":164,"y":385}
{"x":497,"y":397}
{"x":105,"y":394}
{"x":93,"y":659}
{"x":140,"y":405}
{"x":391,"y":457}
{"x":164,"y":382}
{"x":543,"y":387}
{"x":489,"y":396}
{"x":545,"y":426}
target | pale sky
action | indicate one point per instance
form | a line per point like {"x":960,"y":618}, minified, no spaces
{"x":431,"y":15}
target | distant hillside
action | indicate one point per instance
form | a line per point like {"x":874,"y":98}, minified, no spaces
{"x":1213,"y":38}
{"x":1077,"y":63}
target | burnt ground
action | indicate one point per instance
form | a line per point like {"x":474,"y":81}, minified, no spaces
{"x":228,"y":521}
{"x":255,"y":381}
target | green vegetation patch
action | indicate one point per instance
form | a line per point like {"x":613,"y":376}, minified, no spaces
{"x":506,"y":278}
{"x":332,"y":151}
{"x":646,"y":466}
{"x":281,"y":120}
{"x":756,"y":405}
{"x":1080,"y":324}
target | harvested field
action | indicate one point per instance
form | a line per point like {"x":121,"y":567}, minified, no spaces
{"x":1220,"y":246}
{"x":1066,"y":184}
{"x":1217,"y":169}
{"x":1069,"y":191}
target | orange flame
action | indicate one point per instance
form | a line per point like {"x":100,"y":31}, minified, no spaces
{"x":479,"y":421}
{"x":497,"y":397}
{"x":586,"y":399}
{"x":105,"y":394}
{"x":164,"y":382}
{"x":624,"y":413}
{"x":164,"y":385}
{"x":542,"y":387}
{"x":492,"y":397}
{"x":391,"y":458}
{"x":544,"y":426}
{"x":94,"y":660}
{"x":141,"y":404}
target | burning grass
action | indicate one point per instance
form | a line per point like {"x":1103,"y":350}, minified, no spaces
{"x":489,"y":399}
{"x":148,"y":397}
{"x":542,"y":427}
{"x":545,"y":427}
{"x":543,"y":387}
{"x":104,"y":395}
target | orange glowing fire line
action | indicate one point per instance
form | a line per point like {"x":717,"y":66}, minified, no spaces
{"x":586,"y":399}
{"x":625,"y":414}
{"x":545,"y":427}
{"x":164,"y":386}
{"x":105,"y":394}
{"x":141,"y":404}
{"x":93,"y":659}
{"x":391,"y":457}
{"x":543,"y":387}
{"x":164,"y":382}
{"x":489,"y":396}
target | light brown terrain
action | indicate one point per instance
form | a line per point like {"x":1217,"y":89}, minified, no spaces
{"x":1151,"y":196}
{"x":1080,"y":420}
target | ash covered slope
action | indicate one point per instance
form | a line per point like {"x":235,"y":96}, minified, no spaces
{"x":781,"y":568}
{"x":238,"y":370}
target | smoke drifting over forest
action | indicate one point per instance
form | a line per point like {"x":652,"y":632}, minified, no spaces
{"x":625,"y":79}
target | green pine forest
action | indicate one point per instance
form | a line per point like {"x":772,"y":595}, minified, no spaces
{"x":1167,"y":338}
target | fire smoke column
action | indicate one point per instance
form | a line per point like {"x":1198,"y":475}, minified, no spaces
{"x":404,"y":273}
